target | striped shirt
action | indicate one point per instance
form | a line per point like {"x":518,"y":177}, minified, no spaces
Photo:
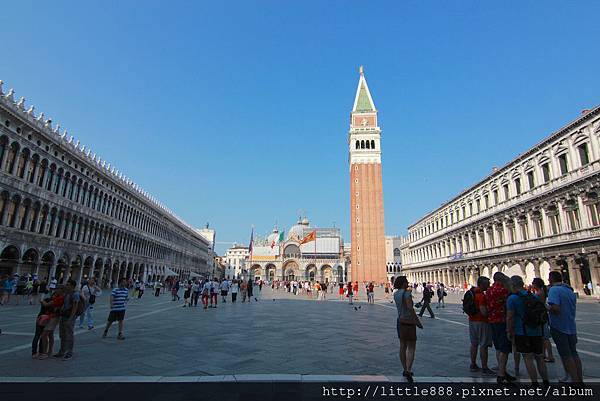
{"x":119,"y":297}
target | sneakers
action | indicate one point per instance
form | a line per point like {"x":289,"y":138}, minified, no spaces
{"x":474,"y":368}
{"x":120,"y":336}
{"x":41,"y":357}
{"x":67,"y":357}
{"x":58,"y":355}
{"x":35,"y":356}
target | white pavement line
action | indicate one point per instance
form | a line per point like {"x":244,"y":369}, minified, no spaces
{"x":25,"y":346}
{"x":588,"y":334}
{"x":588,"y":340}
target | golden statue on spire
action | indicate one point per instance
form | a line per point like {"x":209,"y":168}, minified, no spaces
{"x":361,"y":70}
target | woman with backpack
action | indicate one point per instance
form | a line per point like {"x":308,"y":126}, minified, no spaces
{"x":406,"y":326}
{"x":539,"y":288}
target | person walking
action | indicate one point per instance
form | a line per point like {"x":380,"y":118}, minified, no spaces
{"x":371,"y":293}
{"x":441,"y":294}
{"x":66,"y":323}
{"x":214,"y":292}
{"x":524,"y":327}
{"x":350,"y":292}
{"x":187,"y":293}
{"x":90,"y":291}
{"x":426,"y":301}
{"x":539,"y":288}
{"x":406,"y":324}
{"x":141,"y":289}
{"x":206,"y":293}
{"x":341,"y":290}
{"x":324,"y":291}
{"x":562,"y":305}
{"x":244,"y":290}
{"x":235,"y":288}
{"x":118,"y":301}
{"x":157,"y":286}
{"x":495,"y":298}
{"x":195,"y":293}
{"x":250,"y":290}
{"x":224,"y":288}
{"x":480,"y":333}
{"x":175,"y":292}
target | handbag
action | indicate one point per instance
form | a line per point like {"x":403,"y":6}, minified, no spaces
{"x":412,"y":321}
{"x":42,"y":320}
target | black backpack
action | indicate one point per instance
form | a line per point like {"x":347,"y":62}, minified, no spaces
{"x":468,"y":303}
{"x":535,"y":311}
{"x":92,"y":298}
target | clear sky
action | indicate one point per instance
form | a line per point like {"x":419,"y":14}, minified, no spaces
{"x":237,"y":113}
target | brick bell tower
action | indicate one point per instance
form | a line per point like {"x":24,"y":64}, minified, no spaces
{"x":366,"y":189}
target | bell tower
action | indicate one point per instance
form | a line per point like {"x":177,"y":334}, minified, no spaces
{"x":366,"y":189}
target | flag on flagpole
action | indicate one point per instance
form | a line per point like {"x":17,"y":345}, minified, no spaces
{"x":312,"y":236}
{"x":251,"y":242}
{"x":279,"y":240}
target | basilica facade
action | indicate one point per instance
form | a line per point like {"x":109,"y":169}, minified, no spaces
{"x":283,"y":256}
{"x":64,"y":212}
{"x":540,"y":212}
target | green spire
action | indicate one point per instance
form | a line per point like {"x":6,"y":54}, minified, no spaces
{"x":363,"y":103}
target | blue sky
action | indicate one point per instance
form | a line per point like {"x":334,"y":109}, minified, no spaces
{"x":236,"y":113}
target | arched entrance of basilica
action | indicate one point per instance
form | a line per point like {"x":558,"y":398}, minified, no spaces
{"x":290,"y":271}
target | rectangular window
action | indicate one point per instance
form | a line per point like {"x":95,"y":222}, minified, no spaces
{"x":564,"y":165}
{"x":486,"y":201}
{"x":593,"y":212}
{"x":546,"y":172}
{"x":500,"y":230}
{"x":555,"y":224}
{"x":525,"y":231}
{"x":539,"y":228}
{"x":584,"y":156}
{"x":512,"y":234}
{"x":491,"y":238}
{"x":506,"y":192}
{"x":531,"y":180}
{"x":573,"y":216}
{"x":470,"y":209}
{"x":478,"y":206}
{"x":464,"y":212}
{"x":495,"y":196}
{"x":518,"y":186}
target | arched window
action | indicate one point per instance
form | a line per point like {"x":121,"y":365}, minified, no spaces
{"x":372,"y":144}
{"x":368,"y":144}
{"x":357,"y":144}
{"x":362,"y":144}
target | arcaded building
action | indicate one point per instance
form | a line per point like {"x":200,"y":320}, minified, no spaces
{"x":64,"y":212}
{"x":540,"y":212}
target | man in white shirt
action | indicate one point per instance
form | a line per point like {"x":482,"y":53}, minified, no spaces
{"x":224,"y":287}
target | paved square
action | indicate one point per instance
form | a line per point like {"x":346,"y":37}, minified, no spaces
{"x":279,"y":334}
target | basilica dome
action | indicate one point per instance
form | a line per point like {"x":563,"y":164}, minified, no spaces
{"x":296,"y":231}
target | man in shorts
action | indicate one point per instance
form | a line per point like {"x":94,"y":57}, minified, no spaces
{"x":495,"y":298}
{"x":480,"y":332}
{"x":528,"y":339}
{"x":118,"y":301}
{"x":562,"y":304}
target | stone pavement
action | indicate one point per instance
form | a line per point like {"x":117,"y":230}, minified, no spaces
{"x":279,"y":334}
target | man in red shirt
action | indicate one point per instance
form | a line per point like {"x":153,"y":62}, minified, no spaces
{"x":495,"y":298}
{"x":480,"y":332}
